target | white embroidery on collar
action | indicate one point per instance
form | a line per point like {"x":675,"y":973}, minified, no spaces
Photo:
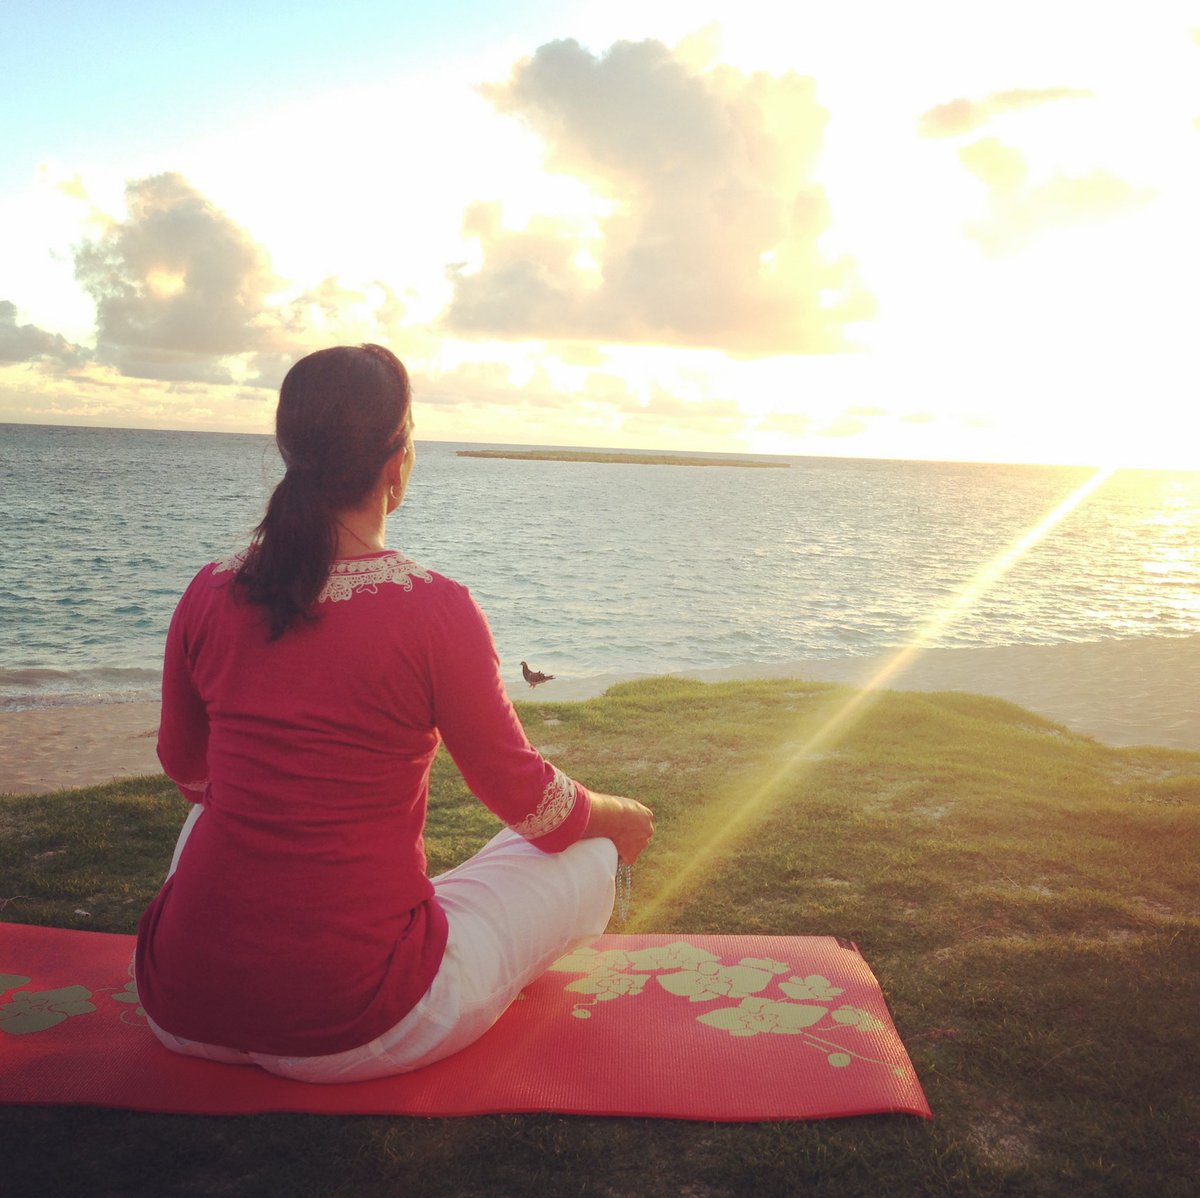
{"x":348,"y":576}
{"x":558,"y":801}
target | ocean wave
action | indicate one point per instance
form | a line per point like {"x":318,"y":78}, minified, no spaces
{"x":24,"y":689}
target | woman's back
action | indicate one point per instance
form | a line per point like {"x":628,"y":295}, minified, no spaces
{"x":301,"y":895}
{"x":305,"y":692}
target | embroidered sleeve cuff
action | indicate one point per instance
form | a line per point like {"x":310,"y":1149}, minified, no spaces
{"x":561,"y":800}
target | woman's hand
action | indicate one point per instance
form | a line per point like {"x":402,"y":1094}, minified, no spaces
{"x":626,"y":822}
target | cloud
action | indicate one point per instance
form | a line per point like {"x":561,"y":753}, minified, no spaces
{"x":184,"y":293}
{"x":847,"y":424}
{"x":178,"y":285}
{"x":838,"y":422}
{"x":791,"y":424}
{"x":28,"y":343}
{"x":328,"y":313}
{"x":1018,"y":211}
{"x":523,"y":394}
{"x":965,"y":116}
{"x":713,"y":234}
{"x":98,"y":394}
{"x":476,"y":383}
{"x":999,"y":167}
{"x":670,"y":411}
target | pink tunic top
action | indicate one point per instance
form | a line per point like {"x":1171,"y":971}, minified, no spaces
{"x":300,"y":920}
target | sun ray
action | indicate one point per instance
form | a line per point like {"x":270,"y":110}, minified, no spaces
{"x":729,"y":820}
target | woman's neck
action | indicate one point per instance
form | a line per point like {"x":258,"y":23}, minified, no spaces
{"x":360,"y":532}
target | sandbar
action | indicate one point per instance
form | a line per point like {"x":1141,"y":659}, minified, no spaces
{"x":620,"y":459}
{"x":1141,"y":691}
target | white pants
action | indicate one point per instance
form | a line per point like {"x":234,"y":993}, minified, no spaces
{"x":512,"y":911}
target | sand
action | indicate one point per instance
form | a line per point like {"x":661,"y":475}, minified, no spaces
{"x":50,"y":748}
{"x":1128,"y":692}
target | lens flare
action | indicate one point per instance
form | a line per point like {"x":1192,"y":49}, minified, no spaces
{"x":730,"y":819}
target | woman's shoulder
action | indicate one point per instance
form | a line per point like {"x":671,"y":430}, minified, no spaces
{"x":390,"y":575}
{"x":230,"y":564}
{"x":348,"y":576}
{"x":390,"y":571}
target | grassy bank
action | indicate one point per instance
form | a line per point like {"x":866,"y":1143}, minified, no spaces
{"x":1027,"y":898}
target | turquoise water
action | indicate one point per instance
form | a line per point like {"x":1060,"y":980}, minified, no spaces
{"x":588,"y":569}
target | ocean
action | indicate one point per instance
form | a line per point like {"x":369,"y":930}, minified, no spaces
{"x":587,"y":569}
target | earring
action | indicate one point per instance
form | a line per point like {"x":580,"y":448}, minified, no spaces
{"x":394,"y":492}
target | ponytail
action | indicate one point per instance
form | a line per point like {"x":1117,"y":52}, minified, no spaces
{"x":291,"y":555}
{"x":341,"y":415}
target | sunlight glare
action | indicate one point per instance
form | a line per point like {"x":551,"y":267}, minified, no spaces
{"x":733,"y":818}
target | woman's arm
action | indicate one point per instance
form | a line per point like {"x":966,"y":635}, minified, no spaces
{"x":484,"y":736}
{"x":183,"y":725}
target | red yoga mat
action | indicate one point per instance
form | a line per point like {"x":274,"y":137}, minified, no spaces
{"x":721,"y":1028}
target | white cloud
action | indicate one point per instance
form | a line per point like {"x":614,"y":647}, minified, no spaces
{"x":964,"y":115}
{"x":1018,"y":210}
{"x":178,"y":286}
{"x":184,"y":293}
{"x":714,"y":237}
{"x":28,"y":343}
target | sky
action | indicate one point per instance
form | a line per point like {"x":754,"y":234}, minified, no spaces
{"x":929,"y":230}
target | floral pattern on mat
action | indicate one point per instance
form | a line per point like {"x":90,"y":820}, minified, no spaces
{"x":37,"y":1010}
{"x":771,"y":999}
{"x":803,"y":1006}
{"x":27,"y":1011}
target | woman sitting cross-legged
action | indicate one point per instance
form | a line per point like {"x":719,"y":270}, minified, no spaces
{"x":307,"y":684}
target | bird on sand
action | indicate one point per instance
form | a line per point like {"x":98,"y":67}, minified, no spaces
{"x":534,"y":677}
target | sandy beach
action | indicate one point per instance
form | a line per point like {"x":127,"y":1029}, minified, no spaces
{"x":1131,"y":692}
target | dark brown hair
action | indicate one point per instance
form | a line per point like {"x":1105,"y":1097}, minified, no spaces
{"x":342,"y":413}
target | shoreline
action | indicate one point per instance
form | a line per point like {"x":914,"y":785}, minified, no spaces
{"x":1139,"y":691}
{"x":1134,"y":691}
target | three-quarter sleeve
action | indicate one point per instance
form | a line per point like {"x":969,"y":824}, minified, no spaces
{"x":481,"y":730}
{"x":183,"y":725}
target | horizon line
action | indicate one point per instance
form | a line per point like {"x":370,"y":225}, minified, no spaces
{"x":746,"y":453}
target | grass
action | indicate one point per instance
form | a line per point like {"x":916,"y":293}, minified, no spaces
{"x":1027,"y":898}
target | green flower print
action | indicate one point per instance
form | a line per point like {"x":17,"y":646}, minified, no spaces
{"x":588,"y":960}
{"x":41,"y":1009}
{"x":813,"y":986}
{"x":856,"y":1017}
{"x":679,"y":955}
{"x":604,"y":985}
{"x":130,"y":996}
{"x":765,"y":963}
{"x":607,"y":986}
{"x":755,"y":1016}
{"x":710,"y":980}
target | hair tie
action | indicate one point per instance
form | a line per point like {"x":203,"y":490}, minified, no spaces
{"x":298,"y":466}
